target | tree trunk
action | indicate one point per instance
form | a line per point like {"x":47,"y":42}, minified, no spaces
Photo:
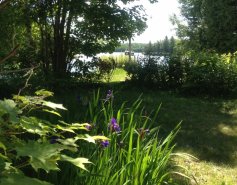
{"x":129,"y":48}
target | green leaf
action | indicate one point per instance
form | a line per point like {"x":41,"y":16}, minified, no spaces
{"x":79,"y":162}
{"x":8,"y":107}
{"x":23,"y":99}
{"x":69,"y":142}
{"x":54,"y":106}
{"x":42,"y":155}
{"x":66,"y":129}
{"x":3,"y":147}
{"x":52,"y":112}
{"x":34,"y":125}
{"x":44,"y":92}
{"x":91,"y":139}
{"x":20,"y":179}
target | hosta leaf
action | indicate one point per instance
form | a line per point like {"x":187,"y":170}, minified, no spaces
{"x":34,"y":125}
{"x":20,"y":179}
{"x":9,"y":107}
{"x":44,"y":92}
{"x":79,"y":162}
{"x":42,"y":155}
{"x":54,"y":106}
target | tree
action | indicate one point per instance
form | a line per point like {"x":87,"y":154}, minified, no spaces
{"x":67,"y":27}
{"x":210,"y":24}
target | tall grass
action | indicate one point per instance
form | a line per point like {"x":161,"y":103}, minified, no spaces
{"x":136,"y":154}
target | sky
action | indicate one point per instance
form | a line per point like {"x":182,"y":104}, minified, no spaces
{"x":158,"y":22}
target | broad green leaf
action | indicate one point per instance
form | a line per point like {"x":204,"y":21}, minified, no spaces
{"x":52,"y":112}
{"x":79,"y":162}
{"x":20,"y":179}
{"x":42,"y":155}
{"x":23,"y":99}
{"x":9,"y":107}
{"x":4,"y":157}
{"x":100,"y":138}
{"x":44,"y":92}
{"x":91,"y":139}
{"x":86,"y":137}
{"x":69,"y":142}
{"x":66,"y":129}
{"x":3,"y":147}
{"x":54,"y":106}
{"x":34,"y":125}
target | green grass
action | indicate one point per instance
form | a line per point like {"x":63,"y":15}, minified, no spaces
{"x":119,"y":75}
{"x":208,"y":130}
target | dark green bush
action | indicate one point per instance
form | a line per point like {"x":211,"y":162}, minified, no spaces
{"x":212,"y":73}
{"x":93,"y":70}
{"x":161,"y":72}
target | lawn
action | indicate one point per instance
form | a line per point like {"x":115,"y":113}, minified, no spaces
{"x":208,"y":130}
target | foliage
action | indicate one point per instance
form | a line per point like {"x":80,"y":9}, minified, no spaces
{"x":212,"y":73}
{"x":29,"y":143}
{"x":136,"y":47}
{"x":94,"y":70}
{"x":208,"y":24}
{"x":159,"y":72}
{"x":52,"y":32}
{"x":135,"y":153}
{"x":164,"y":47}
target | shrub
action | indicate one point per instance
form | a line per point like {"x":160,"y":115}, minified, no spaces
{"x":135,"y":153}
{"x":212,"y":73}
{"x":161,"y":72}
{"x":29,"y":144}
{"x":94,"y":70}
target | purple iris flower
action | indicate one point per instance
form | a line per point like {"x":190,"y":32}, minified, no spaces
{"x":109,"y":95}
{"x":53,"y":140}
{"x":104,"y":143}
{"x":88,"y":127}
{"x":114,"y":126}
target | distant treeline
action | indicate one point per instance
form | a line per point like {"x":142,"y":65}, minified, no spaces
{"x":162,"y":47}
{"x":136,"y":47}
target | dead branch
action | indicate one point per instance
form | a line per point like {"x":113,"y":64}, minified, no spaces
{"x":9,"y":55}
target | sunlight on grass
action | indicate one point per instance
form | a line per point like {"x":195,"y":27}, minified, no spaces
{"x":228,"y":130}
{"x":207,"y":173}
{"x":119,"y":75}
{"x":208,"y":130}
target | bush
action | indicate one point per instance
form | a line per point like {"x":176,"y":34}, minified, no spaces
{"x":135,"y":153}
{"x":30,"y":145}
{"x":93,"y":70}
{"x":161,"y":72}
{"x":212,"y":73}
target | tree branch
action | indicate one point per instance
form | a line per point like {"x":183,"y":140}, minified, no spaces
{"x":9,"y":55}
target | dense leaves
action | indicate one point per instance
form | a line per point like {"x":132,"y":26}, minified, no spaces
{"x":28,"y":141}
{"x":52,"y":32}
{"x":210,"y":24}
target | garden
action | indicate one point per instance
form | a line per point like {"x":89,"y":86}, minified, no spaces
{"x":69,"y":116}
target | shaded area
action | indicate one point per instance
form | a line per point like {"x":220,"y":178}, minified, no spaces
{"x":209,"y":126}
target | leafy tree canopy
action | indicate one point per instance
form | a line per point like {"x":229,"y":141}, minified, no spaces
{"x":57,"y":30}
{"x":211,"y":24}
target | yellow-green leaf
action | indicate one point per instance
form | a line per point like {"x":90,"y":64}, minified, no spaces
{"x":79,"y":162}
